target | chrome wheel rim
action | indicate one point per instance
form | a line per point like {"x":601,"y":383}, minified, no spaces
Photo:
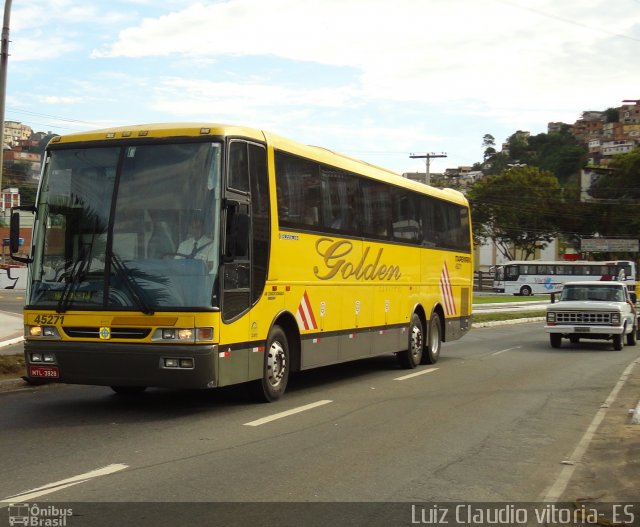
{"x":434,"y":339}
{"x":416,"y":343}
{"x":276,"y":364}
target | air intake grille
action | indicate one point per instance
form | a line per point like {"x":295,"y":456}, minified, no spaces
{"x":116,"y":333}
{"x":577,"y":317}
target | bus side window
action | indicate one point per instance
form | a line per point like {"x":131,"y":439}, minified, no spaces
{"x":404,"y":217}
{"x":512,"y":272}
{"x":298,"y":192}
{"x":376,"y":203}
{"x":238,"y":166}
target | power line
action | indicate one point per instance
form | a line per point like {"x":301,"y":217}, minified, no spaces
{"x":56,"y":117}
{"x":428,"y":157}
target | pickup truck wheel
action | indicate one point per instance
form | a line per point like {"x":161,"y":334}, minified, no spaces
{"x":631,"y":338}
{"x":618,"y":342}
{"x":555,"y":339}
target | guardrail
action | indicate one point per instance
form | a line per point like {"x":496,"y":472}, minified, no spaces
{"x":482,"y":281}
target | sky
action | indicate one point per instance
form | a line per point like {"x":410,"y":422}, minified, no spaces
{"x":376,"y":80}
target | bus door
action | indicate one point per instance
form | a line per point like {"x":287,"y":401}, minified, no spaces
{"x":245,"y":258}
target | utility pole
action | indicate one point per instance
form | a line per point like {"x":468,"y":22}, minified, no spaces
{"x":4,"y":59}
{"x":428,"y":157}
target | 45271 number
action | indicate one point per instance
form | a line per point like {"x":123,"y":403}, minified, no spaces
{"x":49,"y":319}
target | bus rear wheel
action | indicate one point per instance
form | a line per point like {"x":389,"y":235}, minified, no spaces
{"x":434,"y":341}
{"x":525,"y":290}
{"x":412,"y":356}
{"x":275,"y":374}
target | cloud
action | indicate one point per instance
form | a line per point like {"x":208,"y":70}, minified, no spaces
{"x":499,"y":52}
{"x":425,"y":74}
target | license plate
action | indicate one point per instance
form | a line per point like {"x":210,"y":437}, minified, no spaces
{"x":582,"y":330}
{"x":44,"y":372}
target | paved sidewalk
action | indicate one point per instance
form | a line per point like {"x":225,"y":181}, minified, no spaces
{"x":608,"y":472}
{"x":11,"y":330}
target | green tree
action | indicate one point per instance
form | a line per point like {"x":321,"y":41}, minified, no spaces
{"x":489,"y":145}
{"x":612,"y":115}
{"x":516,"y":209}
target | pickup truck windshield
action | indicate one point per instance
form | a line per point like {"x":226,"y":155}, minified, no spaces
{"x":595,"y":293}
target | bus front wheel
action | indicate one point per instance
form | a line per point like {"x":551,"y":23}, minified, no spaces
{"x":275,"y":374}
{"x":525,"y":291}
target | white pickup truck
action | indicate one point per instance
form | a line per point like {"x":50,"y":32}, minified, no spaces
{"x":593,"y":310}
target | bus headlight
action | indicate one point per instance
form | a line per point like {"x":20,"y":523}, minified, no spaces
{"x":49,"y":358}
{"x":183,"y":335}
{"x":42,"y":332}
{"x":183,"y":363}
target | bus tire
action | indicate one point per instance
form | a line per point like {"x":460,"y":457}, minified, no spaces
{"x":412,"y":356}
{"x":275,"y":373}
{"x":434,"y":341}
{"x":128,"y":390}
{"x":525,"y":290}
{"x":555,"y":339}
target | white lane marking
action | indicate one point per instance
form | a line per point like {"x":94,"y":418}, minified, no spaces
{"x":504,"y":351}
{"x":411,"y":375}
{"x":293,"y":411}
{"x":555,"y":491}
{"x":63,"y":484}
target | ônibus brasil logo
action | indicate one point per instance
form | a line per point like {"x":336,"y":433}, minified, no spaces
{"x":38,"y":516}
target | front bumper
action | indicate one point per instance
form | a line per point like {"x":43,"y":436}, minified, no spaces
{"x":585,"y":330}
{"x":120,"y":364}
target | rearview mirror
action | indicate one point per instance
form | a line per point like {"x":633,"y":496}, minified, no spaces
{"x":14,"y":234}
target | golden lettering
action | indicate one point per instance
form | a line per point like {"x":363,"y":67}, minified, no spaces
{"x":334,"y":257}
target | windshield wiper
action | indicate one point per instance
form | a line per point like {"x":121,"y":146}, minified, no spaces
{"x":78,"y":270}
{"x":125,"y":275}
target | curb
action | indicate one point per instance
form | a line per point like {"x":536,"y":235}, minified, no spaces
{"x":506,"y":322}
{"x":9,"y":342}
{"x":13,"y":385}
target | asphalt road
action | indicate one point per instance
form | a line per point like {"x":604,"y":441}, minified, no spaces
{"x":493,"y":421}
{"x":11,"y":300}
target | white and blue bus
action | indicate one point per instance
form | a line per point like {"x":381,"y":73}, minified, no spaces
{"x":538,"y":277}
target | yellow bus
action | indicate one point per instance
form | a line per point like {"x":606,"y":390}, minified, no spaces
{"x":207,"y":255}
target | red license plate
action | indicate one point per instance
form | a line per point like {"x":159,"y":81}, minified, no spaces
{"x":44,"y":372}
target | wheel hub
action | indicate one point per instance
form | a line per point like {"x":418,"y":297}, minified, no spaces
{"x":276,"y":364}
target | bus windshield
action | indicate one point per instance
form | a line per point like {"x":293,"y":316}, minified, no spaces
{"x":132,"y":227}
